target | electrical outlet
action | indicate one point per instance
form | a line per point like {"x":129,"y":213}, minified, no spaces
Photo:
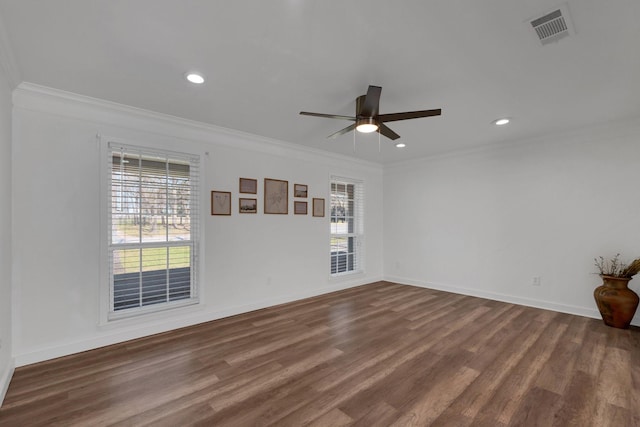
{"x":536,"y":281}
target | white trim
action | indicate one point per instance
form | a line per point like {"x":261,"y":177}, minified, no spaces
{"x":104,"y":268}
{"x":346,"y":276}
{"x":163,"y":325}
{"x":595,"y":132}
{"x":106,"y":313}
{"x":495,"y":296}
{"x":33,"y":97}
{"x":358,"y":220}
{"x":5,"y":379}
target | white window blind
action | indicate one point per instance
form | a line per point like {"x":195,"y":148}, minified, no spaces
{"x":153,"y":229}
{"x":347,"y":228}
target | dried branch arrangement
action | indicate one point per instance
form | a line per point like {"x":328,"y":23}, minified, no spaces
{"x":613,"y":267}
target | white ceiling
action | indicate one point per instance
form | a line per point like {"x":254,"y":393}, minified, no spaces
{"x":265,"y":61}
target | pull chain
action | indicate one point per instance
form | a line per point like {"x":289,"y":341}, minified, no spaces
{"x":354,"y":140}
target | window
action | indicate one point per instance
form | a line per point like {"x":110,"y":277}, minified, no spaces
{"x":153,"y":229}
{"x":346,"y":226}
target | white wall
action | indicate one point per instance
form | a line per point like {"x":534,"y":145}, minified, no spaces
{"x":6,"y":360}
{"x":486,"y":223}
{"x":482,"y":223}
{"x":249,"y":261}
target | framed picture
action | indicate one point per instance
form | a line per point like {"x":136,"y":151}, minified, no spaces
{"x":299,"y":190}
{"x":248,"y":186}
{"x":300,"y":208}
{"x":220,"y":203}
{"x":318,"y":207}
{"x":276,"y":196}
{"x":248,"y":205}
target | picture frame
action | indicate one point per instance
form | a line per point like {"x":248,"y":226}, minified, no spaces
{"x":300,"y":190}
{"x":276,"y":196}
{"x":248,"y":206}
{"x":318,"y":207}
{"x":220,"y":202}
{"x":248,"y":186}
{"x":299,"y":208}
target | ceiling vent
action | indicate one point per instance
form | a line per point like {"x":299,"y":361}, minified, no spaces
{"x":553,"y":26}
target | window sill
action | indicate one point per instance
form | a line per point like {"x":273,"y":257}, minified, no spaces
{"x":346,"y":275}
{"x":152,"y":314}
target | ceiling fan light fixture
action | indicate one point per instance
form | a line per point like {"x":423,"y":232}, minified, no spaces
{"x":501,"y":122}
{"x":195,"y":78}
{"x":366,"y":125}
{"x":401,"y":145}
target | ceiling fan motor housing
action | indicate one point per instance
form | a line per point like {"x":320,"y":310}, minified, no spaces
{"x":364,"y":123}
{"x":359,"y":103}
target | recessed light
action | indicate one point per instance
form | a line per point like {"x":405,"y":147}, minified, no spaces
{"x":195,"y":78}
{"x":501,"y":122}
{"x":401,"y":145}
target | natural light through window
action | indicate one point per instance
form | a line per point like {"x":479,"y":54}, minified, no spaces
{"x":346,"y":226}
{"x":153,"y":212}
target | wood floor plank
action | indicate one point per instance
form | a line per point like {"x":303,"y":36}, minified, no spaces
{"x":521,"y":378}
{"x":375,"y":355}
{"x":334,"y":417}
{"x":537,"y":408}
{"x":375,"y":413}
{"x":579,"y":402}
{"x":441,"y":394}
{"x":614,"y":380}
{"x":553,"y":376}
{"x":195,"y":398}
{"x":495,"y":369}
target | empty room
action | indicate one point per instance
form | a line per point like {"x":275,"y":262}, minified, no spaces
{"x":294,"y":212}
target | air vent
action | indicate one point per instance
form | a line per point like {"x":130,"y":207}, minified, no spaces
{"x":553,"y":26}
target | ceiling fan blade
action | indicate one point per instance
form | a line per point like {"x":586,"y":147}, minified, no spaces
{"x":371,"y":102}
{"x":393,"y":117}
{"x":342,"y":131}
{"x":384,"y":129}
{"x":328,"y":116}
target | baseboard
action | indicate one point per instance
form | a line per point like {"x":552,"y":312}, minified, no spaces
{"x":115,"y":334}
{"x":529,"y":302}
{"x":5,"y":379}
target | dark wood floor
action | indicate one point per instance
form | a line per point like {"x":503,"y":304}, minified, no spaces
{"x":382,"y":354}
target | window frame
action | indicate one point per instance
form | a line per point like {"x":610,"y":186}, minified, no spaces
{"x":107,"y":310}
{"x":355,"y":230}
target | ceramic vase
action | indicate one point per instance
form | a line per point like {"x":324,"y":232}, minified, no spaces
{"x":616,"y":302}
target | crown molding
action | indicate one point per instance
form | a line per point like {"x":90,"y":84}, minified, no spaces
{"x":597,"y":131}
{"x":33,"y":97}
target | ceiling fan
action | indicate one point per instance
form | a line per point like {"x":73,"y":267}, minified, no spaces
{"x":367,"y":118}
